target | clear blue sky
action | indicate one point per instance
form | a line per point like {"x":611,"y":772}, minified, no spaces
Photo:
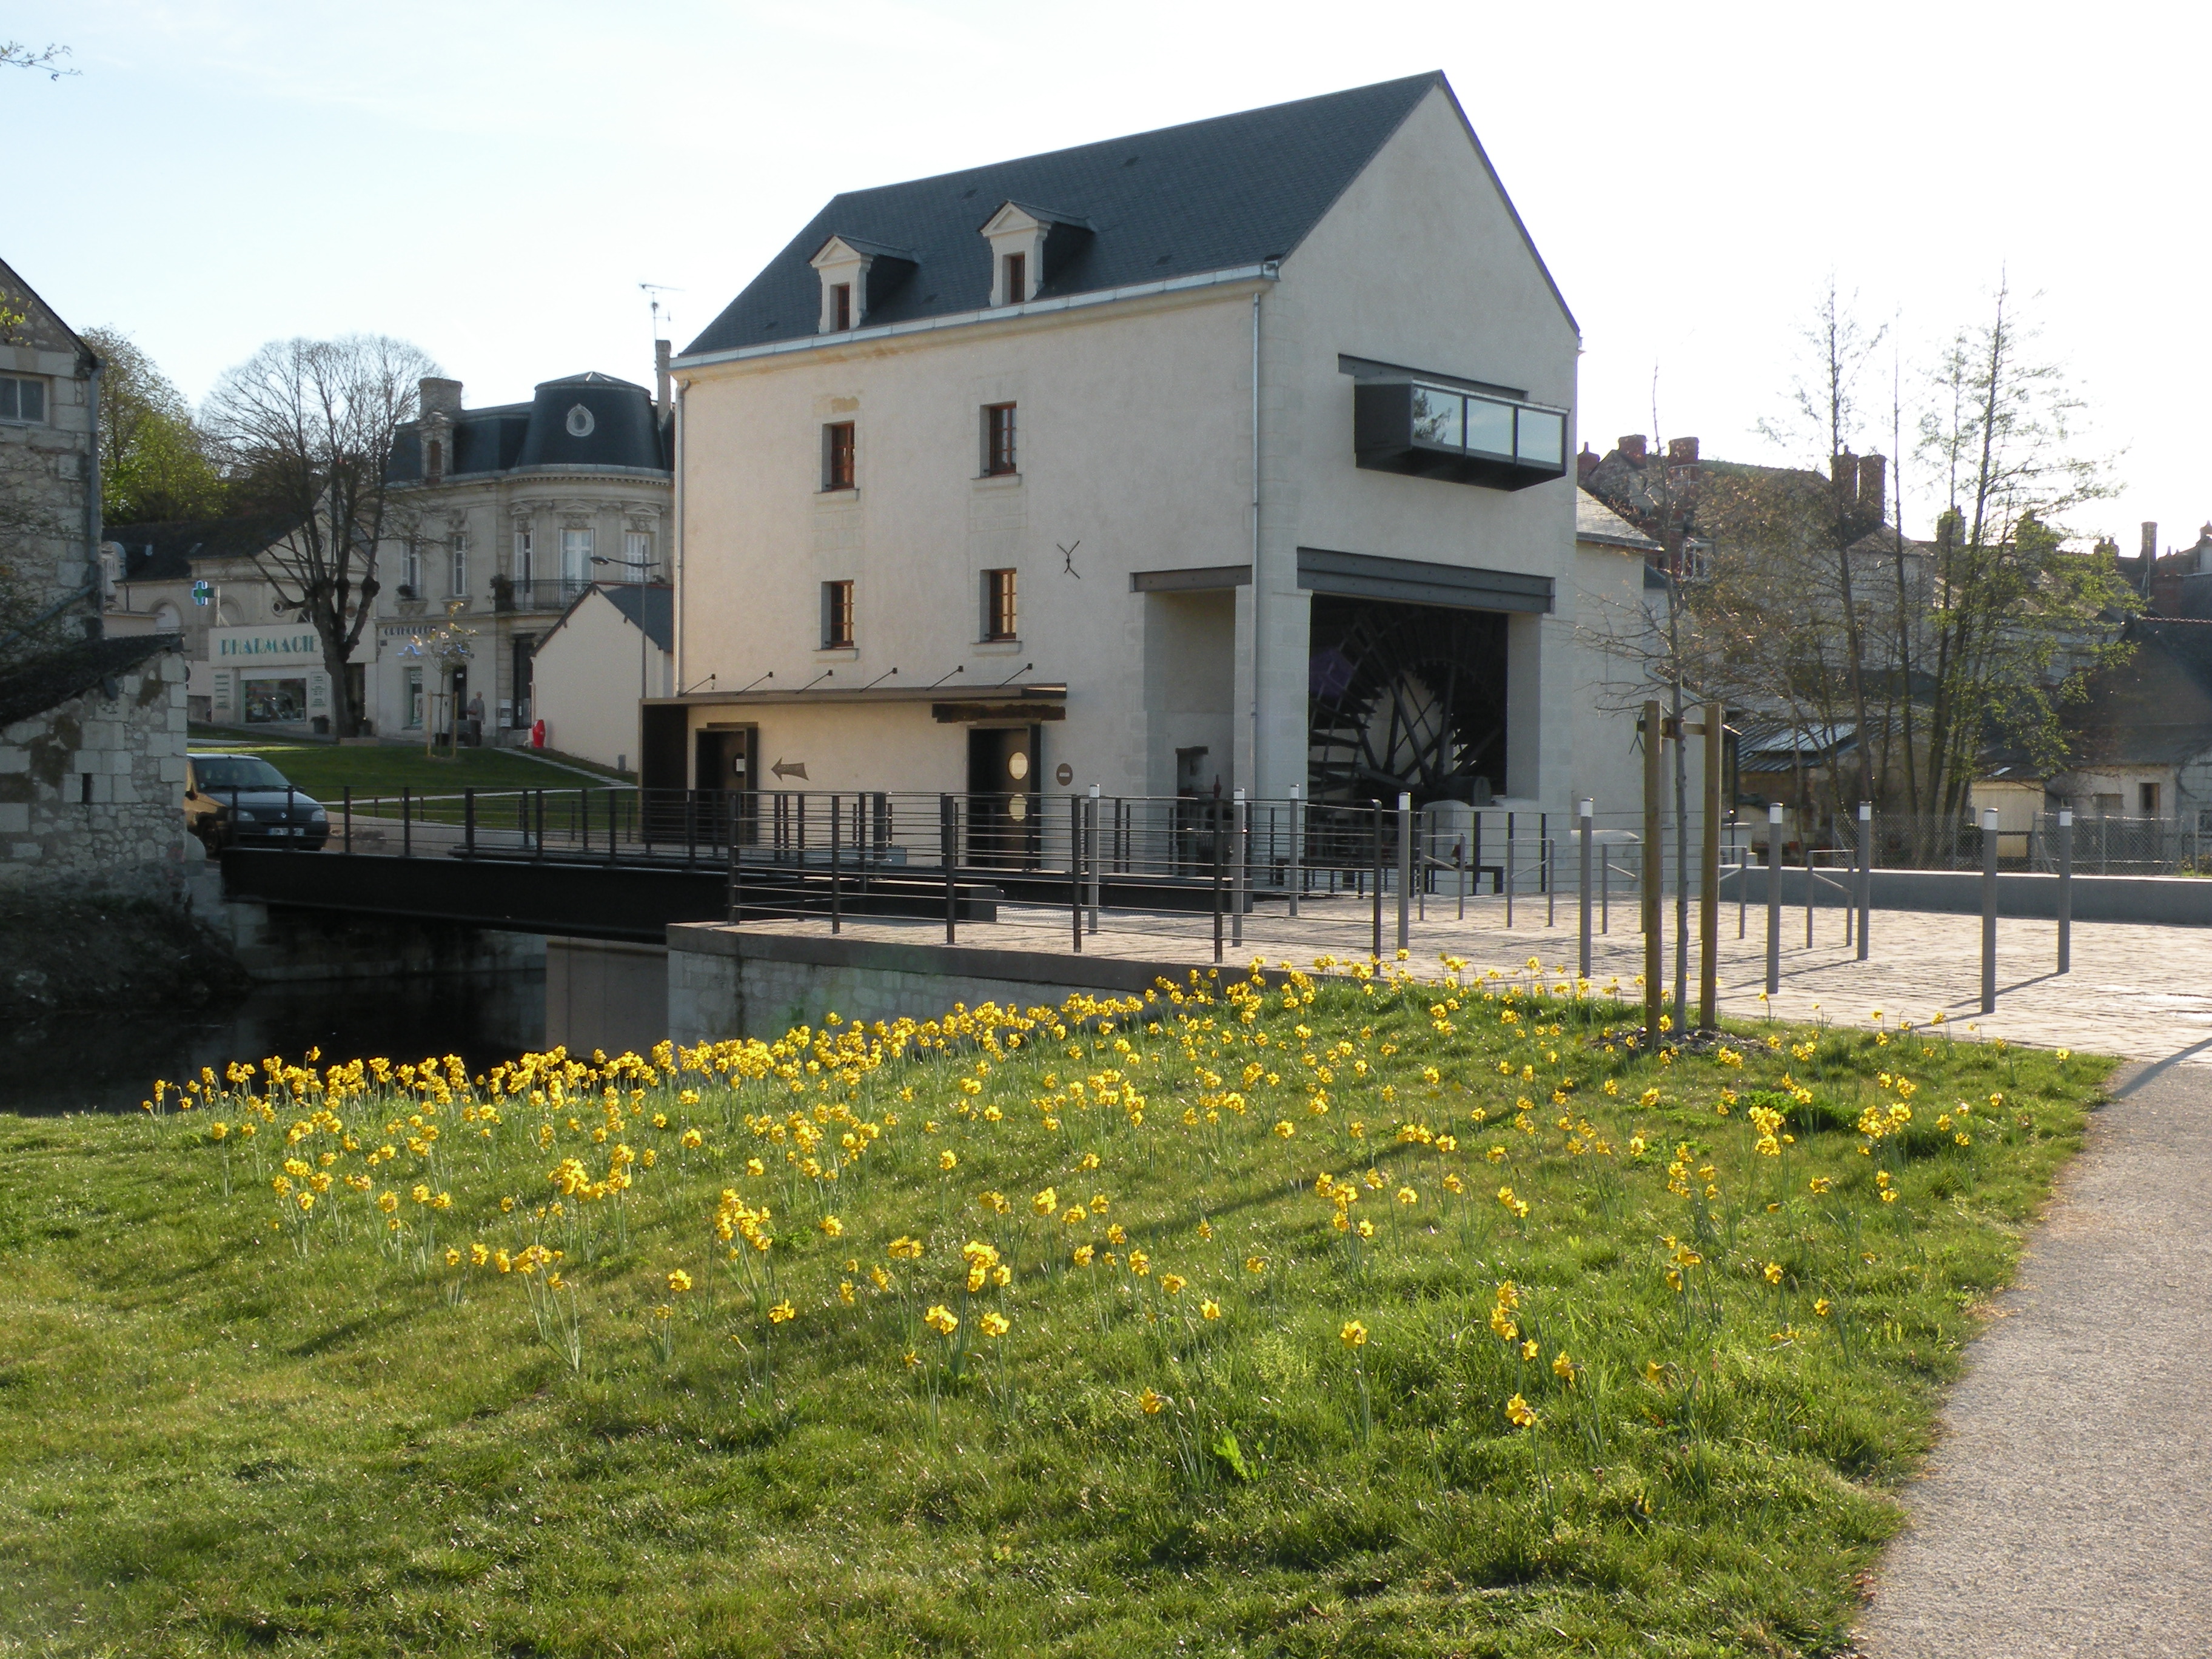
{"x":494,"y":179}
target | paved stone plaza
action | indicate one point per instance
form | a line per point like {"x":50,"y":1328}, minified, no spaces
{"x":2140,"y":992}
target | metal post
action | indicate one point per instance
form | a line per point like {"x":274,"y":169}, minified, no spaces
{"x":1604,"y":892}
{"x":349,"y":817}
{"x":1588,"y":813}
{"x":1219,"y":867}
{"x":1989,"y":910}
{"x":1866,"y":872}
{"x":537,"y":846}
{"x":948,"y":829}
{"x":1378,"y":881}
{"x":1405,"y":868}
{"x":2065,"y":891}
{"x":1239,"y":830}
{"x":1075,"y":869}
{"x":1549,"y":853}
{"x":737,"y":889}
{"x":1297,"y":847}
{"x":1773,"y":900}
{"x":1092,"y":852}
{"x":836,"y":862}
{"x":1652,"y":858}
{"x":1512,"y":874}
{"x":469,"y":820}
{"x":406,"y":823}
{"x":614,"y":823}
{"x":1809,"y":892}
{"x":1709,"y":897}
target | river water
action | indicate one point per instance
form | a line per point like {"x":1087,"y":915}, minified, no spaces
{"x":103,"y":1061}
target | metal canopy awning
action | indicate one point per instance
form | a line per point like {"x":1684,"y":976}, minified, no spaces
{"x":1418,"y":581}
{"x":1053,"y":694}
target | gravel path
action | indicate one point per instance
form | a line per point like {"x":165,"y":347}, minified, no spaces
{"x":2067,"y":1512}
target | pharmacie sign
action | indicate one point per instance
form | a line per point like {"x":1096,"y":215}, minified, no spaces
{"x":249,"y":648}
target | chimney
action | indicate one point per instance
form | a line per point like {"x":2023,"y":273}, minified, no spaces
{"x":2204,"y":550}
{"x":1631,"y":448}
{"x":2148,"y":562}
{"x":440,"y":396}
{"x":661,"y":376}
{"x":1585,"y":463}
{"x":1682,"y":451}
{"x":1873,"y":488}
{"x":1845,"y":473}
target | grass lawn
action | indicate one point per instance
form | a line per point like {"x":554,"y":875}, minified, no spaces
{"x":1338,"y":1318}
{"x":326,"y":771}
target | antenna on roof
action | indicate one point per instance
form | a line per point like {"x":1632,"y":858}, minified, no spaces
{"x":653,"y":293}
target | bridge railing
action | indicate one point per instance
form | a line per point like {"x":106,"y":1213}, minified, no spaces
{"x":1146,"y":860}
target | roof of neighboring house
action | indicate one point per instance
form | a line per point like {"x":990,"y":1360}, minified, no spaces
{"x":2154,"y":708}
{"x":52,"y":680}
{"x":1596,"y":522}
{"x":42,"y":325}
{"x":1788,"y":742}
{"x":587,"y":422}
{"x":656,"y":601}
{"x":165,"y":551}
{"x":1223,"y":194}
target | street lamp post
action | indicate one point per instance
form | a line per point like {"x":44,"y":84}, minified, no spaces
{"x":644,"y":567}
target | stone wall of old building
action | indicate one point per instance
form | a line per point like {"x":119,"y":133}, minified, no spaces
{"x":92,"y":790}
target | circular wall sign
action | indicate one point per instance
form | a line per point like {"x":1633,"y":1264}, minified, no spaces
{"x":1064,"y":774}
{"x":1018,"y":808}
{"x":1018,"y":765}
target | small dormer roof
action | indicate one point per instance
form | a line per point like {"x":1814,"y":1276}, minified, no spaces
{"x":1010,"y":215}
{"x":841,"y":247}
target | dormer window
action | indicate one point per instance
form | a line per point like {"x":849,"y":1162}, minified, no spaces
{"x":1028,"y":244}
{"x":856,"y":276}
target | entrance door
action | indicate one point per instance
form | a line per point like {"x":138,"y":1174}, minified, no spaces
{"x":1003,"y":775}
{"x":724,"y":761}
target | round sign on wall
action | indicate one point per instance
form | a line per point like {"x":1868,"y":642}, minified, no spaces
{"x":1064,"y":774}
{"x":1018,"y":765}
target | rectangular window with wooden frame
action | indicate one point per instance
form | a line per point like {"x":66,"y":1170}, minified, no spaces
{"x":837,"y":615}
{"x":998,"y":440}
{"x":840,"y":306}
{"x":837,"y":472}
{"x":1001,"y":618}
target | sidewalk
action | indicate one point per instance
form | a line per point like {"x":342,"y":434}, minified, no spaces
{"x":2142,"y":993}
{"x":2065,"y":1512}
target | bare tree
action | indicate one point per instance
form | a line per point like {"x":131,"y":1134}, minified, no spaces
{"x":307,"y":428}
{"x":46,"y":60}
{"x":2017,"y":621}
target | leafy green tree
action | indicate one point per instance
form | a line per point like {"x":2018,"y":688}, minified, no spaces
{"x":155,"y":463}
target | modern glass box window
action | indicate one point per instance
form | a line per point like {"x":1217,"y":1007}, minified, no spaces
{"x":1442,"y":432}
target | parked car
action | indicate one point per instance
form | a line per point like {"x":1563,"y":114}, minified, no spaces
{"x":236,"y":800}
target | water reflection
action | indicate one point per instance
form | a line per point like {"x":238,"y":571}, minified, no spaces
{"x":104,"y":1062}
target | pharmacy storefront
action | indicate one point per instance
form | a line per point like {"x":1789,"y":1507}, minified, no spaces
{"x":264,"y":676}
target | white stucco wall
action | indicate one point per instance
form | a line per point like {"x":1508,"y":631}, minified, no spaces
{"x":588,"y":682}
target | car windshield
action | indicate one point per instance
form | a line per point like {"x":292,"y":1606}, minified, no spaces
{"x":236,"y":772}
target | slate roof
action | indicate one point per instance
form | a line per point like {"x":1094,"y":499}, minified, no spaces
{"x":1596,"y":522}
{"x":2154,"y":709}
{"x":626,"y":434}
{"x":1213,"y":195}
{"x":657,"y":601}
{"x":164,"y":551}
